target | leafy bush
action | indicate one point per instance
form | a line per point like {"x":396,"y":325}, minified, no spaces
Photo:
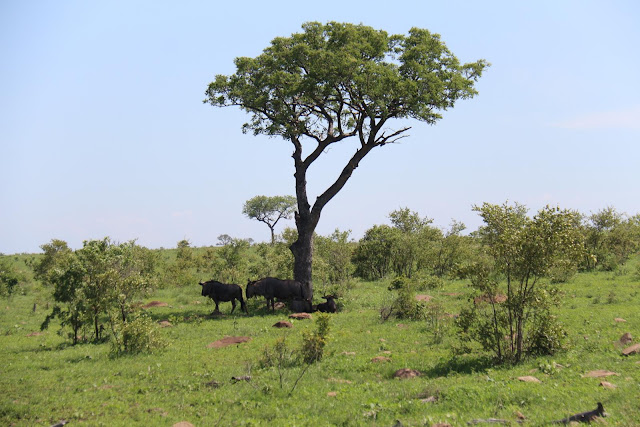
{"x":512,"y":314}
{"x":137,"y":335}
{"x":404,"y":305}
{"x":10,"y":277}
{"x":313,"y":343}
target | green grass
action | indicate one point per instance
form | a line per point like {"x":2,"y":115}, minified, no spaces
{"x":43,"y":379}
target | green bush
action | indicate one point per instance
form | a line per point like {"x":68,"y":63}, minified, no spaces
{"x":137,"y":335}
{"x":313,"y":343}
{"x":404,"y":305}
{"x":9,"y":278}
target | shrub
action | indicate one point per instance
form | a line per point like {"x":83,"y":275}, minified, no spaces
{"x":313,"y":343}
{"x":137,"y":335}
{"x":9,"y":278}
{"x":404,"y":305}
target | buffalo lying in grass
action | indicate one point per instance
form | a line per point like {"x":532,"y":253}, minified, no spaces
{"x":271,"y":288}
{"x":299,"y":305}
{"x":329,"y":306}
{"x":222,"y":292}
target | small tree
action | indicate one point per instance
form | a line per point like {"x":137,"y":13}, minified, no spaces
{"x":519,"y":253}
{"x":270,"y":210}
{"x":97,"y":281}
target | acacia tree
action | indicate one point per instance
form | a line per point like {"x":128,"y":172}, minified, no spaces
{"x":270,"y":210}
{"x":337,"y":81}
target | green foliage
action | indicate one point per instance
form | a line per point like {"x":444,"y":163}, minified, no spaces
{"x":139,"y":334}
{"x":519,"y":253}
{"x":328,"y":71}
{"x":404,"y":305}
{"x":182,"y":272}
{"x":10,"y":277}
{"x":189,"y":381}
{"x":412,"y":246}
{"x":332,"y":261}
{"x":270,"y":210}
{"x":313,"y":343}
{"x":53,"y":253}
{"x":372,"y":257}
{"x":100,"y":277}
{"x":338,"y":81}
{"x":282,"y":358}
{"x":610,"y":239}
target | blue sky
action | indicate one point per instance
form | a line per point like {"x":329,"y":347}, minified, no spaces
{"x":103,"y":131}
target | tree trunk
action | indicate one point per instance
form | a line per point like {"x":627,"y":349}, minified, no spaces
{"x":302,"y":250}
{"x":273,"y":234}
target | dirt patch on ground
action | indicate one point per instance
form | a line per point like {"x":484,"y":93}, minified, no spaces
{"x":165,"y":324}
{"x":228,"y":341}
{"x":608,"y":385}
{"x":300,"y":316}
{"x":486,"y":298}
{"x":155,"y":304}
{"x":380,"y":359}
{"x":634,"y":349}
{"x":283,"y":324}
{"x":425,"y":298}
{"x":34,"y":334}
{"x":599,"y":373}
{"x":406,"y":373}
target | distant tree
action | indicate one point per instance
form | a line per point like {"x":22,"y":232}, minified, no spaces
{"x":452,"y":250}
{"x":337,"y":81}
{"x":182,"y":271}
{"x":10,"y":277}
{"x":373,"y":256}
{"x":53,"y":251}
{"x":334,"y":253}
{"x":611,"y":238}
{"x":270,"y":210}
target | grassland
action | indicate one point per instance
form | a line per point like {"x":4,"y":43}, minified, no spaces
{"x":44,"y":379}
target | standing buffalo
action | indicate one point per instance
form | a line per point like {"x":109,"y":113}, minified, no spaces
{"x":272,"y":288}
{"x":329,"y":306}
{"x":223,"y":292}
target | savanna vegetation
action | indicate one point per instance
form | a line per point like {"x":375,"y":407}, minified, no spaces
{"x":114,"y":333}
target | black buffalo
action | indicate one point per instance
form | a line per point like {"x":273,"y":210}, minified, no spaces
{"x":299,"y":305}
{"x":272,"y":288}
{"x":329,"y":306}
{"x":222,"y":292}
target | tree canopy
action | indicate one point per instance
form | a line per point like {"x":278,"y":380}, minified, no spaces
{"x":336,"y":81}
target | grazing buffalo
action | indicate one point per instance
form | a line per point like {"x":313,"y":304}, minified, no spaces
{"x":272,"y":288}
{"x":329,"y":306}
{"x":223,"y":292}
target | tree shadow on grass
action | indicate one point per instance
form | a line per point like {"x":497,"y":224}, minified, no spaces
{"x":179,"y":316}
{"x":466,"y":364}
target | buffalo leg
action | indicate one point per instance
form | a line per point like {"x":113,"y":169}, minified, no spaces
{"x":233,"y":305}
